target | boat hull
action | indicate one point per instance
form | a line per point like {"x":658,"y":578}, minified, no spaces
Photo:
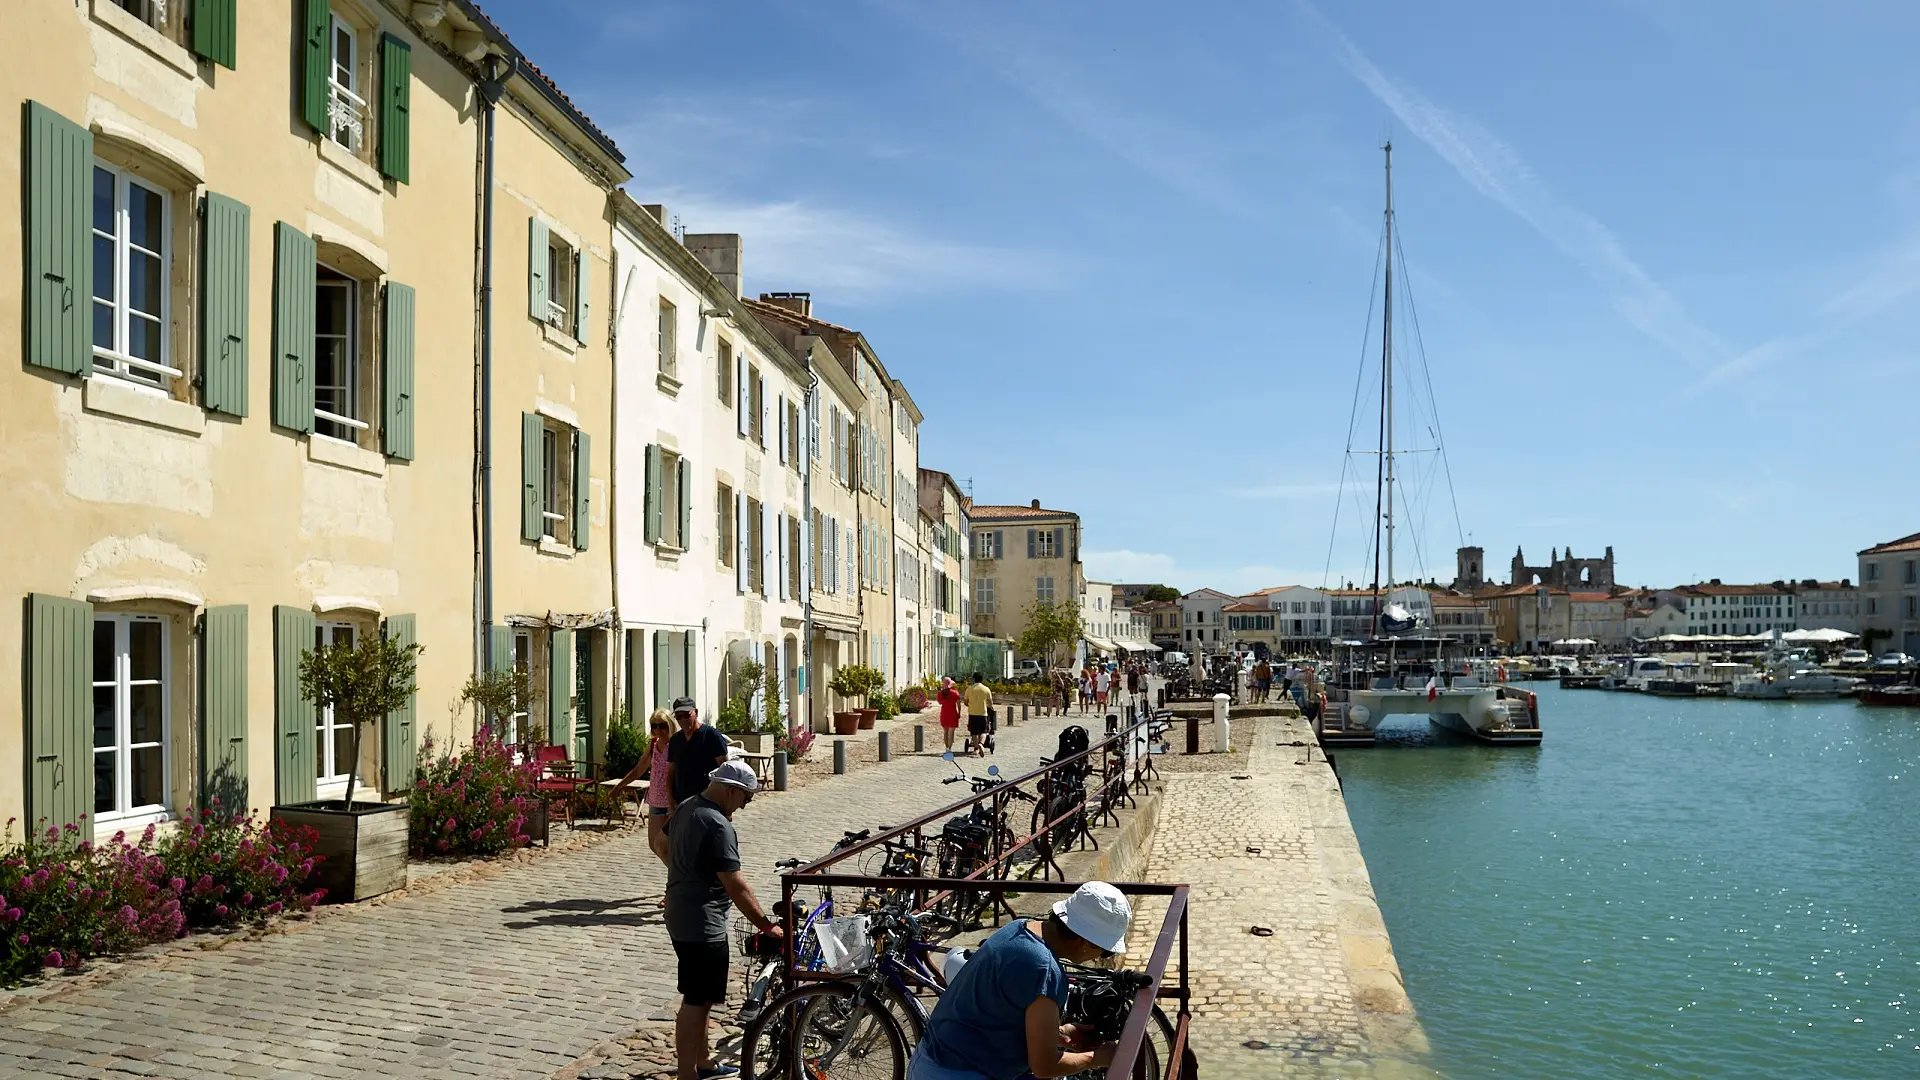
{"x":1487,"y":714}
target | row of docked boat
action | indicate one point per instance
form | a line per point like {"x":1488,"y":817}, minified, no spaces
{"x":1789,"y":675}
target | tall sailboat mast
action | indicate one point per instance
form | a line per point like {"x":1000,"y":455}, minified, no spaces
{"x":1383,"y":482}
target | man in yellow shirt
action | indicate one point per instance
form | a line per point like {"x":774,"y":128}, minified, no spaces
{"x":979,"y":700}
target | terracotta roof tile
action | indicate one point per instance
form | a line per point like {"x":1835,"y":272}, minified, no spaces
{"x":541,"y":77}
{"x":998,"y":513}
{"x":1905,"y":543}
{"x":1710,"y":589}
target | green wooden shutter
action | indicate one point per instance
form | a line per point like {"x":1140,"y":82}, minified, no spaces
{"x":537,"y":269}
{"x":582,"y":294}
{"x":533,"y":496}
{"x":559,"y":686}
{"x":59,"y":711}
{"x":655,"y":521}
{"x":686,"y":504}
{"x":223,"y":709}
{"x":635,"y":696}
{"x":59,"y":300}
{"x":224,"y":303}
{"x":661,"y":662}
{"x":500,"y":649}
{"x":317,"y":57}
{"x":690,"y":677}
{"x":396,"y":97}
{"x":396,"y":376}
{"x":293,"y":327}
{"x":294,"y":717}
{"x":215,"y":29}
{"x":582,"y":489}
{"x":399,"y":744}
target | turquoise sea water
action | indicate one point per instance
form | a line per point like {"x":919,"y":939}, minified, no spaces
{"x":1666,"y":888}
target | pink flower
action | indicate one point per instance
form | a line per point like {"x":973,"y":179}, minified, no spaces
{"x":54,"y":959}
{"x":220,"y":911}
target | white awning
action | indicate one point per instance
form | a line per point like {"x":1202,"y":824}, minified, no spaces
{"x":1101,"y":644}
{"x":1139,"y":646}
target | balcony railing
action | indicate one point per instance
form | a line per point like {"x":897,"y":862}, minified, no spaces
{"x":346,"y":111}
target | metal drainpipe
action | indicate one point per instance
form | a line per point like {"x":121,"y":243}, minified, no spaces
{"x":617,"y":657}
{"x":806,"y":512}
{"x":490,"y":91}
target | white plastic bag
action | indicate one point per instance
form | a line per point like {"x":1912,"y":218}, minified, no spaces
{"x":844,"y":944}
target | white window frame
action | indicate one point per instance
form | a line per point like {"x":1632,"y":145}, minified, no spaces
{"x":118,"y":361}
{"x":556,"y":481}
{"x":325,"y":727}
{"x":667,"y":331}
{"x":121,"y":681}
{"x":560,"y":282}
{"x":723,"y":361}
{"x":347,"y":112}
{"x":339,"y":420}
{"x":522,"y":661}
{"x":670,"y":496}
{"x":1043,"y":543}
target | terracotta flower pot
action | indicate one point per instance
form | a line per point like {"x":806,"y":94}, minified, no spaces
{"x":846,"y":723}
{"x":868,"y":717}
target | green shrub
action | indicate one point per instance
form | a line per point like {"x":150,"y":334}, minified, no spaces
{"x":476,"y":802}
{"x":626,"y":744}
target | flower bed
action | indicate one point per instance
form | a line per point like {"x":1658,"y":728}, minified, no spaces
{"x":477,"y":802}
{"x":64,"y":900}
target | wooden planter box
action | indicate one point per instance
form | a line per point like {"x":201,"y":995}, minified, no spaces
{"x":756,"y":742}
{"x":847,"y":722}
{"x":363,"y":851}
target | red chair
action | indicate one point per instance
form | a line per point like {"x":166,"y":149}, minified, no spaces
{"x":559,"y":779}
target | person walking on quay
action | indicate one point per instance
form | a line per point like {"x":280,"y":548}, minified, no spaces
{"x":949,"y":697}
{"x":979,"y":700}
{"x":1262,"y":680}
{"x":703,"y":882}
{"x":1101,"y":680}
{"x":1000,"y":1017}
{"x":653,"y":763}
{"x":1064,"y":686}
{"x":692,"y":754}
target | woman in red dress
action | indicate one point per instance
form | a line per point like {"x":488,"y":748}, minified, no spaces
{"x":949,"y":710}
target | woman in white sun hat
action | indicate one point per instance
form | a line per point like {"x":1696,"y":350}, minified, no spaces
{"x":1000,"y":1018}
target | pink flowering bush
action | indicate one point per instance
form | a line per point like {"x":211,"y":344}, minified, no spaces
{"x":476,"y":802}
{"x":64,"y":899}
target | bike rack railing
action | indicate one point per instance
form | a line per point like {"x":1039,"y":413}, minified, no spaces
{"x":1114,"y":784}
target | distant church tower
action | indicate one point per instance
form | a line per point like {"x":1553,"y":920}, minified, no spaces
{"x":1467,"y":573}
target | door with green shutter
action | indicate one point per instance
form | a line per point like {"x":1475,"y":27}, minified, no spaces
{"x":559,"y":686}
{"x":59,"y":242}
{"x":400,"y":740}
{"x":223,"y":709}
{"x":59,"y":701}
{"x":396,"y":376}
{"x":293,"y":327}
{"x":224,"y":305}
{"x":294,"y":718}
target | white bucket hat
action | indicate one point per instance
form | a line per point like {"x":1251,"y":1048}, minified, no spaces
{"x":1099,"y":913}
{"x":736,"y":775}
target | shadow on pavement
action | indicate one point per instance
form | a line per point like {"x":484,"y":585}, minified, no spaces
{"x":638,"y":911}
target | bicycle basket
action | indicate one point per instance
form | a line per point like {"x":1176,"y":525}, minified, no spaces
{"x":963,"y":829}
{"x":844,"y":944}
{"x":756,"y":944}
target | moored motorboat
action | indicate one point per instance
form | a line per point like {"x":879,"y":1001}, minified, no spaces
{"x":1897,"y":696}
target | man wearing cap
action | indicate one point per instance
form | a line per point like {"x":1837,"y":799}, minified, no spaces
{"x":703,"y":882}
{"x":1000,"y":1017}
{"x":692,"y":754}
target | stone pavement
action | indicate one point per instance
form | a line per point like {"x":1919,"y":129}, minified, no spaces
{"x":525,"y":973}
{"x":1262,"y":837}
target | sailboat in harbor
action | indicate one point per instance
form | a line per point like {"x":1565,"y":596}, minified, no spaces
{"x":1403,"y":668}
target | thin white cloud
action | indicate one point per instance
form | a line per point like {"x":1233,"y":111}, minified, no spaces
{"x":1494,"y":169}
{"x":855,"y":258}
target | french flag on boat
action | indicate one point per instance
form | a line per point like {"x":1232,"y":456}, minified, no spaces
{"x":1433,"y":687}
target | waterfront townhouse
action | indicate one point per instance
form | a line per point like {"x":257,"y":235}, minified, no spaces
{"x":1163,"y":621}
{"x":1826,"y":605}
{"x":1598,"y":616}
{"x":1202,"y":620}
{"x":1527,"y":618}
{"x":950,"y":572}
{"x":911,"y":602}
{"x":1021,"y":555}
{"x":546,"y":403}
{"x":1096,"y":618}
{"x":1251,"y":626}
{"x":1718,"y":610}
{"x":242,"y":422}
{"x":1300,"y":615}
{"x":1890,"y":595}
{"x":758,"y":489}
{"x":833,"y":507}
{"x":1461,"y":618}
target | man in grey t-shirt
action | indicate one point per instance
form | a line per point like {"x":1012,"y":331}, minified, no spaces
{"x":703,"y":882}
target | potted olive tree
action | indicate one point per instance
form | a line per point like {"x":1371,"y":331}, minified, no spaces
{"x":362,"y":845}
{"x":737,"y":716}
{"x":845,"y":684}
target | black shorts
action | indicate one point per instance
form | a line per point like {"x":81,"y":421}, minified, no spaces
{"x":976,"y":725}
{"x":703,"y":971}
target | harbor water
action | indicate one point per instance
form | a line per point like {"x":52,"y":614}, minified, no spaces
{"x":1697,"y":888}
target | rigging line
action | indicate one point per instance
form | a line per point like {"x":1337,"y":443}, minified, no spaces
{"x":1420,"y":346}
{"x":1353,"y":414}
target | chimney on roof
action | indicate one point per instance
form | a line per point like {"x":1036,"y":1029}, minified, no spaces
{"x":1715,"y":581}
{"x":658,"y":211}
{"x":720,"y":254}
{"x":1036,"y":504}
{"x":799,"y":303}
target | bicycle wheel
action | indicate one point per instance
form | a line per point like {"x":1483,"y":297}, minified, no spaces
{"x":828,"y":1031}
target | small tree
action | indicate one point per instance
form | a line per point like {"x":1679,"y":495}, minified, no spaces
{"x":499,"y":695}
{"x":1050,"y":625}
{"x":1161,"y":592}
{"x":736,"y":715}
{"x":360,"y":683}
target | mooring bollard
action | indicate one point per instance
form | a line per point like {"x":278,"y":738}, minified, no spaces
{"x":919,"y":738}
{"x":886,"y":746}
{"x":1193,"y":735}
{"x":1222,"y":732}
{"x":1026,"y":712}
{"x":779,"y":770}
{"x":840,"y":755}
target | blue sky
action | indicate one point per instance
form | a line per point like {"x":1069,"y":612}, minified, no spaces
{"x":1665,"y":256}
